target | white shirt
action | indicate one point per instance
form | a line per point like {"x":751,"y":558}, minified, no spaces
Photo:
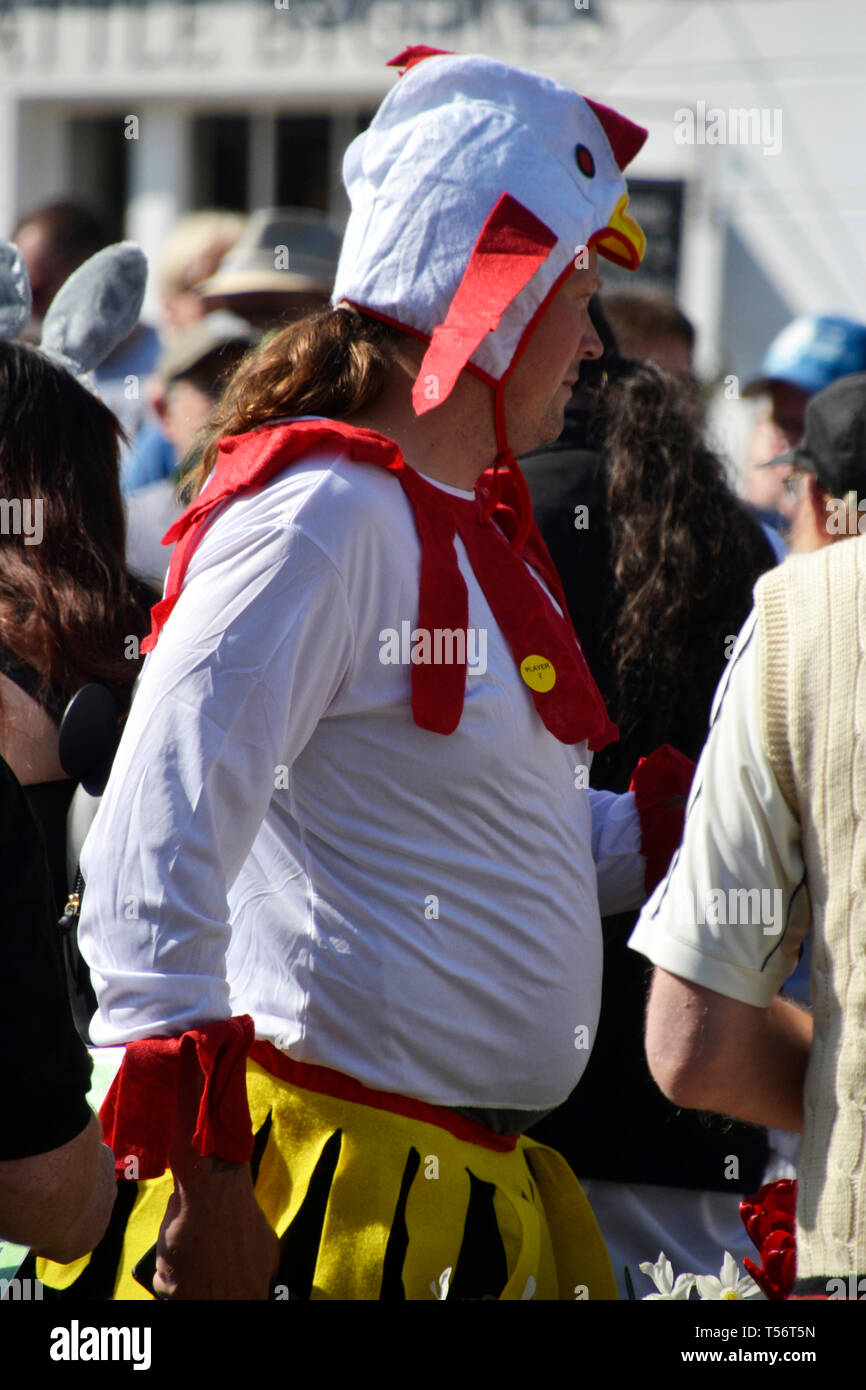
{"x":733,"y":910}
{"x":279,"y":838}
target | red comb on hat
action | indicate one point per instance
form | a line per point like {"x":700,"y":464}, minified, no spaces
{"x":624,"y":137}
{"x":416,"y":54}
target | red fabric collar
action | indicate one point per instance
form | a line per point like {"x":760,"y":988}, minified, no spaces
{"x":490,"y":528}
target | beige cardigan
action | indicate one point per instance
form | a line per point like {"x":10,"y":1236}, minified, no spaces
{"x":812,"y":630}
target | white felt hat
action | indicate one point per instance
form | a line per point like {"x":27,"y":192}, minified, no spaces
{"x":472,"y":192}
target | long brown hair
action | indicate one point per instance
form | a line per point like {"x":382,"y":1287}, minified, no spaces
{"x":68,"y":606}
{"x":686,"y":556}
{"x":332,"y":362}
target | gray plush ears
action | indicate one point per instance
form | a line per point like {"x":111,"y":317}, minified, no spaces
{"x":14,"y":291}
{"x":96,"y":308}
{"x":93,"y":311}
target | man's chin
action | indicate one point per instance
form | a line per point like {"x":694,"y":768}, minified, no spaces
{"x":546,"y":432}
{"x":552,"y":428}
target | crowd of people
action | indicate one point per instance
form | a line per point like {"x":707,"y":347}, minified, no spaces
{"x":490,"y":969}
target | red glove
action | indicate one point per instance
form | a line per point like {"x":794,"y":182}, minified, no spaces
{"x":661,"y":785}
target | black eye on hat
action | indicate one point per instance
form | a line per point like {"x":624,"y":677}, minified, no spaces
{"x":585,"y":161}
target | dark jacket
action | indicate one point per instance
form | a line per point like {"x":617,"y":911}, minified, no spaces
{"x":617,"y":1125}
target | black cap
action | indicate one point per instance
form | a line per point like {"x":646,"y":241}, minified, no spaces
{"x":833,"y":446}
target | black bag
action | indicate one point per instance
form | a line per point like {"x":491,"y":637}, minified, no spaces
{"x":89,"y":734}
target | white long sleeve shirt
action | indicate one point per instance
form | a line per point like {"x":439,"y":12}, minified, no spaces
{"x":279,"y":838}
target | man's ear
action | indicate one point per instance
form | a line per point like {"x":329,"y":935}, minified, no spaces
{"x":815,"y":497}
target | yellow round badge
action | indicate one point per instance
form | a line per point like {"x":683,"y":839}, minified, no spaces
{"x":538,"y":672}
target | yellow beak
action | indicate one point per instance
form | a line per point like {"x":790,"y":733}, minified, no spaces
{"x":623,"y":239}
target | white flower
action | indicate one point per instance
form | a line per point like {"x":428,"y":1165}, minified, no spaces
{"x":441,"y":1293}
{"x":728,"y":1285}
{"x":662,"y":1275}
{"x":529,"y":1289}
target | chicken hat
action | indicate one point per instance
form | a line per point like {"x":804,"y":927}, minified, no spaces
{"x":473,"y":192}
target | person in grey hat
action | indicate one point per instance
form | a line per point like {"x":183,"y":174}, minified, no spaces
{"x":282,"y":267}
{"x":827,"y":478}
{"x":193,"y":371}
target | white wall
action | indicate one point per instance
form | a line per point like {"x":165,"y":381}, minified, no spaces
{"x":793,"y":221}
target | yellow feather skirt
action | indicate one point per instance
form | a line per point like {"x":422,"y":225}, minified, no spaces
{"x":369,"y":1204}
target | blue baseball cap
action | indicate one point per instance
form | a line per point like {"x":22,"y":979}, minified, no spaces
{"x":812,"y":352}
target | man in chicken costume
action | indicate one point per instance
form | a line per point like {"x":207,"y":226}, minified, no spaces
{"x":343,"y":891}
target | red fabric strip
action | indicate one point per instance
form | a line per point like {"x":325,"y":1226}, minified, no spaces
{"x":245,"y":463}
{"x":138,"y":1114}
{"x":438,"y":691}
{"x":477,"y":371}
{"x":665,"y":776}
{"x":511,"y":246}
{"x":573,"y":710}
{"x":324,"y":1081}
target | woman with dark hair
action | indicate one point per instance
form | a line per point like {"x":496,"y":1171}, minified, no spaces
{"x":659,"y":582}
{"x":70,"y":613}
{"x":686,"y":555}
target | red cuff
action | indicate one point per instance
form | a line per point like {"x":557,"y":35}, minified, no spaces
{"x":664,"y":776}
{"x":138,"y":1114}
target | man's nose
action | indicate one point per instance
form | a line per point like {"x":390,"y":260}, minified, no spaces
{"x":591,"y":345}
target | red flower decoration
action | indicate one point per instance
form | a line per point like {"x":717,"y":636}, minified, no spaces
{"x":772,"y":1209}
{"x":769,"y":1218}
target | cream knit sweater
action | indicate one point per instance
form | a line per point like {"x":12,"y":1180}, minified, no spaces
{"x":812,"y":633}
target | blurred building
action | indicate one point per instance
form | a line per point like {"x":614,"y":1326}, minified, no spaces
{"x":151,"y":109}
